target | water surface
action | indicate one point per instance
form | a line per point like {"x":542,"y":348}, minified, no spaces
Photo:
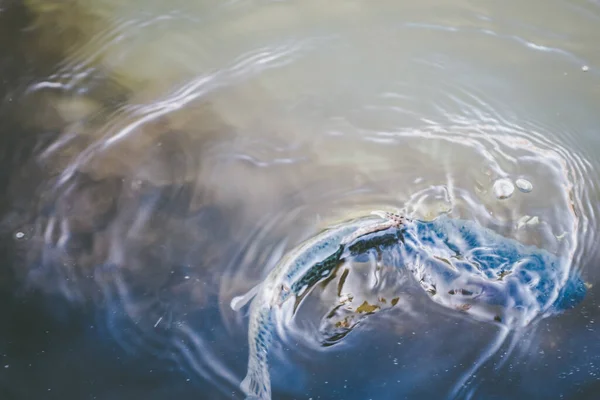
{"x":157,"y":159}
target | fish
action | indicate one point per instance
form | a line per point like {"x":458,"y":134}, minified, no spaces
{"x":310,"y":261}
{"x":458,"y":263}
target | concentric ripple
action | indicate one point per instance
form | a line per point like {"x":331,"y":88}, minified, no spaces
{"x":189,"y":147}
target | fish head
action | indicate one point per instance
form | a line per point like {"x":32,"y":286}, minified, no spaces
{"x":280,"y":295}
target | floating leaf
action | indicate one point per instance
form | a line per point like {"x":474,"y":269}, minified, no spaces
{"x":367,"y":308}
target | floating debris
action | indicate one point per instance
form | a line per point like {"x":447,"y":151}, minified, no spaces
{"x":19,"y":235}
{"x":502,"y":274}
{"x":345,"y":323}
{"x":585,"y":68}
{"x":367,"y":308}
{"x":503,"y":188}
{"x":524,"y":185}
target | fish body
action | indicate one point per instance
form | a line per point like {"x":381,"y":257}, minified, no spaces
{"x":296,"y":272}
{"x":461,"y":264}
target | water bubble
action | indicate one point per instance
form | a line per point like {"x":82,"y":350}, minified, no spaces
{"x":503,"y":188}
{"x":524,"y":185}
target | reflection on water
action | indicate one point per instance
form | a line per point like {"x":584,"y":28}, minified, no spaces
{"x":158,"y":158}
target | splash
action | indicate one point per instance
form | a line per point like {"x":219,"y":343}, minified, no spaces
{"x":461,"y":265}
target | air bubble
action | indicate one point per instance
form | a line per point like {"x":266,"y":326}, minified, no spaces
{"x":524,"y":185}
{"x":503,"y":188}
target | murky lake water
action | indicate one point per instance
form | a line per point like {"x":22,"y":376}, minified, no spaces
{"x":158,"y":158}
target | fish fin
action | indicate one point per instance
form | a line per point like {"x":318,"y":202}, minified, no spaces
{"x":240,"y":301}
{"x":257,"y":385}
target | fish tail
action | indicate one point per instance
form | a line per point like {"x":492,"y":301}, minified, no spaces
{"x":257,"y":383}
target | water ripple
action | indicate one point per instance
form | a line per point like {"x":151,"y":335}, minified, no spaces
{"x":162,"y":242}
{"x":530,"y":44}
